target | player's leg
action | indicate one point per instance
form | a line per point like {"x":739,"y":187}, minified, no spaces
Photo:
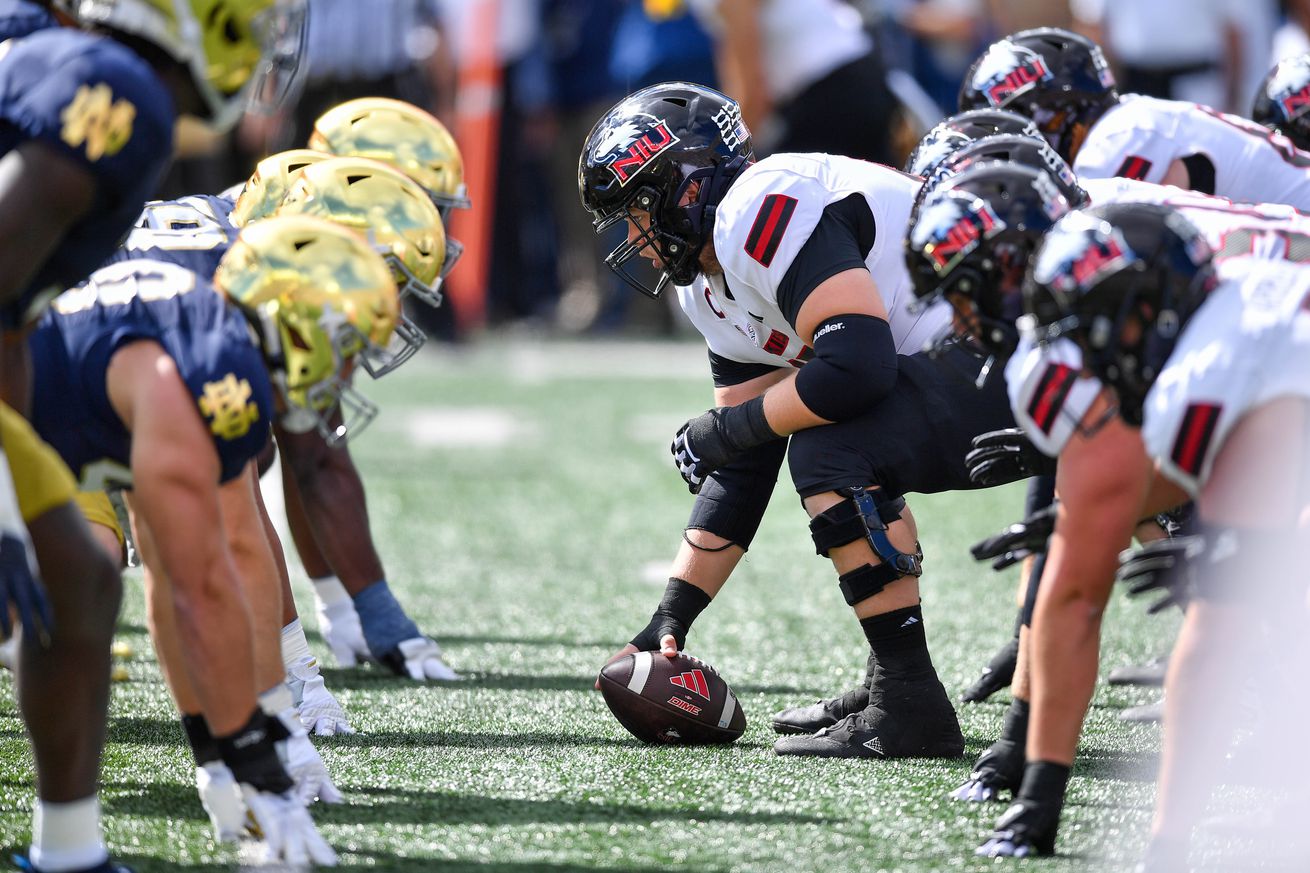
{"x":332,"y":496}
{"x":914,"y":440}
{"x":1252,"y":500}
{"x":63,"y":684}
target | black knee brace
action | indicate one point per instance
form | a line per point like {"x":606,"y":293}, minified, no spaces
{"x":865,"y":515}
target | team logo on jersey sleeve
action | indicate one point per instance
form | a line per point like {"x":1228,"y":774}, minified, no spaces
{"x":1009,"y":70}
{"x":96,"y":120}
{"x":630,"y":145}
{"x":227,"y":405}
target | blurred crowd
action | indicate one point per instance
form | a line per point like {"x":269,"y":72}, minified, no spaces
{"x":858,"y":77}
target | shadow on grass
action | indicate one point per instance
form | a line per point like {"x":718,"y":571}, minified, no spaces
{"x":1117,"y":766}
{"x":136,"y":730}
{"x":390,"y":861}
{"x":390,"y":806}
{"x":375,"y":679}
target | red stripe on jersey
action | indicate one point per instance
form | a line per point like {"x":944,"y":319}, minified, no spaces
{"x":769,"y":227}
{"x":1194,"y":437}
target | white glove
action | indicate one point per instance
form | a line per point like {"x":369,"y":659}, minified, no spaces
{"x":306,"y":766}
{"x":289,"y":833}
{"x":420,"y":658}
{"x":319,"y":710}
{"x":339,"y":624}
{"x":221,"y":797}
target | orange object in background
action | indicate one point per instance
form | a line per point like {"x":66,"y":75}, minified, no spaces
{"x":477,"y":122}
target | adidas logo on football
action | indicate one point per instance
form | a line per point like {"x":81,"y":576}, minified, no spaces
{"x":693,"y":681}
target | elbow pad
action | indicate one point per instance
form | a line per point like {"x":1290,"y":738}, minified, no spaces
{"x":854,"y":367}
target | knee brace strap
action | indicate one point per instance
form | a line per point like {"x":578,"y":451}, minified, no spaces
{"x":846,"y":522}
{"x":865,"y":515}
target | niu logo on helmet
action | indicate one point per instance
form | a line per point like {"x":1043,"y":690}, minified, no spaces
{"x":633,"y":144}
{"x":1023,"y":69}
{"x":962,"y":237}
{"x":1295,"y":103}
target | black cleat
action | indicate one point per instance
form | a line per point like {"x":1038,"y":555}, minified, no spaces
{"x":998,"y":673}
{"x":1025,"y":829}
{"x":1151,"y":673}
{"x":904,"y":719}
{"x":1147,"y":713}
{"x":999,"y":768}
{"x":824,"y":714}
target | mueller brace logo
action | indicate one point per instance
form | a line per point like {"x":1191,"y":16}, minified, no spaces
{"x":963,"y":236}
{"x":632,"y":144}
{"x":836,"y":325}
{"x":1010,"y":71}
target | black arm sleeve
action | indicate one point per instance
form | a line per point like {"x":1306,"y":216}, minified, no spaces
{"x":728,"y":372}
{"x":1200,"y":173}
{"x":841,"y":241}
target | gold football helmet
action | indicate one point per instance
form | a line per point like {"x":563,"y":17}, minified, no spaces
{"x":236,"y":51}
{"x":396,"y":215}
{"x":407,"y":138}
{"x":317,"y":295}
{"x":267,"y":186}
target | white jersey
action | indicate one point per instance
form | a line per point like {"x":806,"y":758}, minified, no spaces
{"x":759,"y":228}
{"x":1273,"y":231}
{"x":1047,"y":399}
{"x":1142,"y":136}
{"x":1248,"y":344}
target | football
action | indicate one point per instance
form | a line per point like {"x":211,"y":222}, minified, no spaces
{"x":672,"y":701}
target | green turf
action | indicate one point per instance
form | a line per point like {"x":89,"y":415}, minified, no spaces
{"x":528,"y":560}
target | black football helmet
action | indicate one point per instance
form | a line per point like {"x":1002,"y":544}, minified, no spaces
{"x":959,"y":130}
{"x":1057,"y":78}
{"x":1010,"y":148}
{"x":1282,"y":103}
{"x":1121,"y":280}
{"x":644,"y":155}
{"x":972,"y":242}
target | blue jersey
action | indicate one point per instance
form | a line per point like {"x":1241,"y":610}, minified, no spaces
{"x":145,"y":300}
{"x":193,"y":232}
{"x":18,"y":18}
{"x":97,"y":103}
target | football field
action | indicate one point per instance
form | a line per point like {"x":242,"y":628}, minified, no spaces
{"x":525,"y":505}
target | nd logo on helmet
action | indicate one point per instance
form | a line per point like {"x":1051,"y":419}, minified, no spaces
{"x":632,"y":144}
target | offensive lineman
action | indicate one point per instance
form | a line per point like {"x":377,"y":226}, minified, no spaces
{"x":795,"y":261}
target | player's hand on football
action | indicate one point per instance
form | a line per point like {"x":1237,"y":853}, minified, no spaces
{"x":419,"y":659}
{"x":1017,"y":541}
{"x":1161,"y":566}
{"x":1002,"y":456}
{"x":668,"y":648}
{"x":20,"y":585}
{"x":288,"y":832}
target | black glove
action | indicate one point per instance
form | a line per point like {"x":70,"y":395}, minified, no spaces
{"x":1029,"y":826}
{"x":712,"y":439}
{"x":1017,"y":541}
{"x":1164,"y":565}
{"x":20,"y":586}
{"x":998,"y":673}
{"x":1002,"y":456}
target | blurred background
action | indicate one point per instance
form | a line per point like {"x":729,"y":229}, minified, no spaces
{"x":520,"y":82}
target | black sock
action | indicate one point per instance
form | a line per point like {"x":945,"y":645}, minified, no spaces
{"x":1045,"y":782}
{"x":1015,"y":729}
{"x":203,"y":745}
{"x":899,"y":644}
